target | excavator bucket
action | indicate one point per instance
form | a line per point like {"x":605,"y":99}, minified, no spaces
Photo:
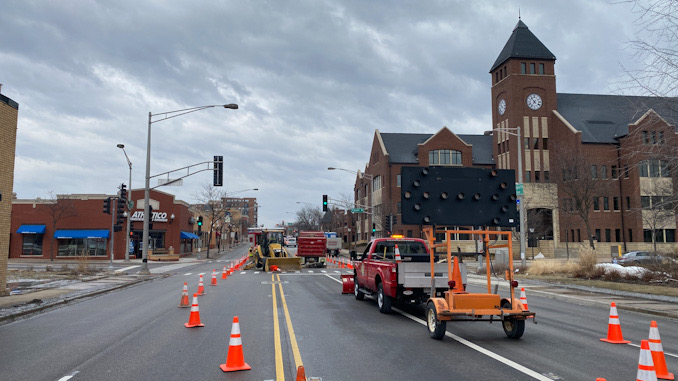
{"x":283,"y":263}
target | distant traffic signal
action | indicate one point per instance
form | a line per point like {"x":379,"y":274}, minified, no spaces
{"x":389,"y":218}
{"x":200,"y":225}
{"x":107,"y":205}
{"x":374,"y":228}
{"x":324,"y":203}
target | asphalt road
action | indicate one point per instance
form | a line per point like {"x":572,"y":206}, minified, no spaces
{"x":138,"y":333}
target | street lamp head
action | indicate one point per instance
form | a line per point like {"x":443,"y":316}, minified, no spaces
{"x":256,"y":189}
{"x":121,"y":146}
{"x":231,"y":106}
{"x":330,"y":168}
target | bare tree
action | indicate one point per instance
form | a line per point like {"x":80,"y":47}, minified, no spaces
{"x":654,"y":48}
{"x":578,"y":183}
{"x":308,"y":218}
{"x":211,"y":201}
{"x":57,"y":207}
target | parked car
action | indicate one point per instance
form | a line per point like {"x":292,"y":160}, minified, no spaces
{"x":641,"y":258}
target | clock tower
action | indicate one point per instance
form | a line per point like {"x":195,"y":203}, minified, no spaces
{"x":523,"y":96}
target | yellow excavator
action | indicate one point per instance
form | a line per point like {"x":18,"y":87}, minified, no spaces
{"x":270,"y":253}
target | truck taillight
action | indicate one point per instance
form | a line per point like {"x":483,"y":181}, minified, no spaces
{"x":514,"y":283}
{"x":451,"y":284}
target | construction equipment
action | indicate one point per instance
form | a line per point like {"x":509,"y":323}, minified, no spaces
{"x":270,"y":251}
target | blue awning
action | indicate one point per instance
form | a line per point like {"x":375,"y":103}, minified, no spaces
{"x":188,"y":235}
{"x":65,"y":234}
{"x":31,"y":229}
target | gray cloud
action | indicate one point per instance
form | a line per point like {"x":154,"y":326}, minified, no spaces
{"x":313,"y":79}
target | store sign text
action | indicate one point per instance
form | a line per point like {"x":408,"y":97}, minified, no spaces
{"x":155,"y":217}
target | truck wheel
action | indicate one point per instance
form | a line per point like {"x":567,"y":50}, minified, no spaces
{"x":436,"y":328}
{"x":383,"y":300}
{"x":359,"y":295}
{"x":513,"y":328}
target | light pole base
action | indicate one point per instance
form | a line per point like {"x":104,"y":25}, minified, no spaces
{"x":144,"y":272}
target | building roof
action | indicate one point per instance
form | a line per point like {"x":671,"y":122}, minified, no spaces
{"x":9,"y":102}
{"x":603,"y":118}
{"x":402,"y":147}
{"x":523,"y":44}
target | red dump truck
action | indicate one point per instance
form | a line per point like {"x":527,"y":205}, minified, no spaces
{"x":311,"y":246}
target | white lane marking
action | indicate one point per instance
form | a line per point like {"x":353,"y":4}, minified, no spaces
{"x":187,"y":274}
{"x":476,"y":347}
{"x":69,"y":376}
{"x":243,"y":272}
{"x":310,"y":271}
{"x":638,"y":346}
{"x":256,"y":272}
{"x":323,"y":271}
{"x":126,"y":268}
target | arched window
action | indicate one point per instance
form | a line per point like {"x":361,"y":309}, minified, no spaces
{"x":444,"y":157}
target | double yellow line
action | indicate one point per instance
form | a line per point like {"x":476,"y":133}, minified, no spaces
{"x":279,"y":370}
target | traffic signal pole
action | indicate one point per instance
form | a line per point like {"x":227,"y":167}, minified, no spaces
{"x":110,"y":267}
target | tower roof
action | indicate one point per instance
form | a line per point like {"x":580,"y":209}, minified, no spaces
{"x":523,"y":44}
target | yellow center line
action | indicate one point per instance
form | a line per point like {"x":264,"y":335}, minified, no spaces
{"x":279,"y":371}
{"x":290,"y":329}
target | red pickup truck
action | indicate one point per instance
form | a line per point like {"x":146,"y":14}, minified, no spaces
{"x":376,"y":271}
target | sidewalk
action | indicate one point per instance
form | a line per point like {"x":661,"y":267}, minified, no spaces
{"x":36,"y":295}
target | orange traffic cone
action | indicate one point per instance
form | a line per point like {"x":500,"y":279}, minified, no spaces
{"x":194,"y":318}
{"x":201,"y":286}
{"x":523,"y":298}
{"x":301,"y":374}
{"x":456,"y":277}
{"x":234,"y":358}
{"x":224,"y":274}
{"x":184,"y":297}
{"x":230,"y":268}
{"x":645,"y":366}
{"x":398,"y":259}
{"x":614,"y":332}
{"x":214,"y":278}
{"x":658,"y":353}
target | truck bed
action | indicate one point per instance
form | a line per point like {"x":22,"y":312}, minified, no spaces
{"x":310,"y":246}
{"x":418,"y":274}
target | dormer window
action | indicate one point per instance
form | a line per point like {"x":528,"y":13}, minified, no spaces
{"x":444,"y":157}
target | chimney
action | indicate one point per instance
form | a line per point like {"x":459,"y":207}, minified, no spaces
{"x":0,"y":87}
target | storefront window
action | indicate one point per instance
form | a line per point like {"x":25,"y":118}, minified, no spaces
{"x":76,"y":247}
{"x":32,"y":244}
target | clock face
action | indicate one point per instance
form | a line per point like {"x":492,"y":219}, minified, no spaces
{"x":501,"y":107}
{"x":534,"y":101}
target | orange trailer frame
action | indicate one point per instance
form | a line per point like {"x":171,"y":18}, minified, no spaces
{"x":457,"y":304}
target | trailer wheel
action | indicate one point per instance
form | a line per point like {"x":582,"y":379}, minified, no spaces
{"x":359,"y":295}
{"x":383,"y":300}
{"x":436,"y":328}
{"x":513,"y":328}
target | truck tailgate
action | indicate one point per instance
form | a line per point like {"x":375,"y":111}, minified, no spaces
{"x":418,"y":274}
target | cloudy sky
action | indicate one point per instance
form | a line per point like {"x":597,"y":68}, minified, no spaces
{"x":313,"y":80}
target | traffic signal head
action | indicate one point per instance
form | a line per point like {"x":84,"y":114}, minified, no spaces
{"x":123,"y":194}
{"x":107,"y":205}
{"x":119,"y":211}
{"x":374,"y":228}
{"x":218,"y":171}
{"x":199,"y":224}
{"x":324,"y":203}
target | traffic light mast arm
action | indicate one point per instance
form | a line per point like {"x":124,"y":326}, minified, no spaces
{"x":347,"y":205}
{"x":188,"y":173}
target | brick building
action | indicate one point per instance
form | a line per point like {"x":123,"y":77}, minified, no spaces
{"x":9,"y":115}
{"x":622,"y":144}
{"x":75,"y":225}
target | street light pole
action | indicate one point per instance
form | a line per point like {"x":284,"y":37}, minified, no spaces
{"x":370,"y":178}
{"x":521,"y":204}
{"x":129,"y":186}
{"x":168,"y":115}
